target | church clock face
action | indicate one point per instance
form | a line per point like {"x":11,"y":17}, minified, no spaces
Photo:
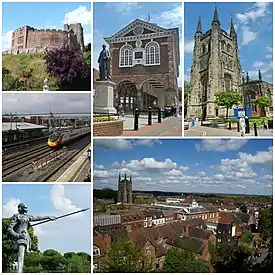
{"x":138,"y":30}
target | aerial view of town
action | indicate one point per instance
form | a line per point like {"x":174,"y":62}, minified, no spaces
{"x":228,"y":63}
{"x":46,"y":137}
{"x":46,"y":46}
{"x":183,"y":205}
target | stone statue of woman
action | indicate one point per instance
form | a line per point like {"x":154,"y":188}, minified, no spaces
{"x":18,"y":228}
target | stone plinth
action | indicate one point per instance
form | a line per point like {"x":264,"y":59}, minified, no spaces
{"x":104,"y":97}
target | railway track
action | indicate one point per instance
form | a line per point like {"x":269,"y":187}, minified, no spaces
{"x":22,"y":160}
{"x":21,"y":168}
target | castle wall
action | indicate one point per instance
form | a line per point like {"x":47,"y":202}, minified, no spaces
{"x":47,"y":38}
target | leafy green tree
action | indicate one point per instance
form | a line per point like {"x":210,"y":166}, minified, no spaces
{"x":266,"y":222}
{"x":9,"y":254}
{"x":181,"y":261}
{"x":228,"y":100}
{"x":262,"y":102}
{"x":247,"y":237}
{"x":124,"y":257}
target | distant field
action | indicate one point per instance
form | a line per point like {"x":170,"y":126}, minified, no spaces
{"x":32,"y":64}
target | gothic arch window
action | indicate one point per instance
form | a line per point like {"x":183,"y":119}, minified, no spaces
{"x":209,"y":45}
{"x":126,"y":56}
{"x":227,"y":82}
{"x":203,"y":49}
{"x":152,"y":53}
{"x":228,"y":48}
{"x":223,"y":45}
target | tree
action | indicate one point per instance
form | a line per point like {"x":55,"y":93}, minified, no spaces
{"x":124,"y":257}
{"x":247,"y":237}
{"x":243,"y":208}
{"x":9,"y":254}
{"x":262,"y":102}
{"x":228,"y":99}
{"x":265,"y":222}
{"x":186,"y":94}
{"x":69,"y":67}
{"x":181,"y":261}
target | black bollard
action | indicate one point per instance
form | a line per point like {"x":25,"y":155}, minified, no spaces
{"x":238,"y":126}
{"x":159,"y":115}
{"x":247,"y":130}
{"x":255,"y":129}
{"x":136,"y":119}
{"x":150,"y":116}
{"x":229,"y":125}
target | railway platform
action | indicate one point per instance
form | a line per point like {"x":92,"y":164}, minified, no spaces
{"x":78,"y":170}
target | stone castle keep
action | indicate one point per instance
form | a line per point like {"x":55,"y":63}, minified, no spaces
{"x":28,"y":39}
{"x":125,"y":190}
{"x":216,"y":68}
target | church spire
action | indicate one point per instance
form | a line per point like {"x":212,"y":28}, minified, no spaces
{"x":260,"y":75}
{"x":119,"y":178}
{"x":199,"y":28}
{"x":131,"y":178}
{"x":216,"y":17}
{"x":232,"y":28}
{"x":125,"y":176}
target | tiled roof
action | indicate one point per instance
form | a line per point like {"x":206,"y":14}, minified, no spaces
{"x":200,"y":233}
{"x":194,"y":245}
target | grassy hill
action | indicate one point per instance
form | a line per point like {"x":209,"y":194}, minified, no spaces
{"x":30,"y":65}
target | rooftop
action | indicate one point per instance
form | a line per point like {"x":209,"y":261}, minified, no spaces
{"x":7,"y":126}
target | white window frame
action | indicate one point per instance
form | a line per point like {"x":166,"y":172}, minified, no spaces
{"x":98,"y":250}
{"x":122,"y":57}
{"x":155,"y":53}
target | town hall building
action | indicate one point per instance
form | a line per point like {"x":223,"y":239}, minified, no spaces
{"x":145,"y":60}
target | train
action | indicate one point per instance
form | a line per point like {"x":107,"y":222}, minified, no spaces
{"x":61,"y":137}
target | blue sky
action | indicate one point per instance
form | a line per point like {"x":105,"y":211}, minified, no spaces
{"x":186,"y":165}
{"x":44,"y":16}
{"x":253,"y":24}
{"x":110,"y":18}
{"x":64,"y":235}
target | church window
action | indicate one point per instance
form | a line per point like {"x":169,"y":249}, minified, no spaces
{"x":209,"y":45}
{"x":152,"y":52}
{"x":223,"y":45}
{"x":227,"y":82}
{"x":217,"y":114}
{"x":126,"y":56}
{"x":228,"y":48}
{"x":96,"y":252}
{"x":203,"y":49}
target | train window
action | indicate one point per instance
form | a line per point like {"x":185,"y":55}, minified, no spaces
{"x":55,"y":136}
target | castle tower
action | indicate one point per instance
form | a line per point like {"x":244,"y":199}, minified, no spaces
{"x":216,"y":68}
{"x":78,"y":31}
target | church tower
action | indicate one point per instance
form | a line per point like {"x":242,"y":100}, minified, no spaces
{"x":216,"y":68}
{"x":125,"y":190}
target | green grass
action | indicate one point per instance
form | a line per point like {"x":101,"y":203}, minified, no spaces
{"x":23,"y":64}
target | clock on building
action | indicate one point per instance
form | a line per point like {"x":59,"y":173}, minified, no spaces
{"x":138,"y":30}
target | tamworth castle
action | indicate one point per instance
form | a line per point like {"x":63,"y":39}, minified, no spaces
{"x":216,"y":68}
{"x":28,"y":39}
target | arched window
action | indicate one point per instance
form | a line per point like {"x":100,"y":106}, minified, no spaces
{"x":227,"y":82}
{"x":152,"y":54}
{"x":223,"y":45}
{"x":203,"y":49}
{"x":126,"y":56}
{"x":228,"y":48}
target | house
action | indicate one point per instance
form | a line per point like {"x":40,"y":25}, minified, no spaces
{"x":153,"y":218}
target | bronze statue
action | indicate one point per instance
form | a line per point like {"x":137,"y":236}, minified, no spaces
{"x":104,"y":64}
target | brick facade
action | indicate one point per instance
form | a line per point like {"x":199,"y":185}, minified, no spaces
{"x":139,"y":76}
{"x":108,"y":128}
{"x":30,"y":38}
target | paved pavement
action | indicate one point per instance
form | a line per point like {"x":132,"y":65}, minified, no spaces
{"x":142,"y":121}
{"x":202,"y":131}
{"x":81,"y":174}
{"x":169,"y":127}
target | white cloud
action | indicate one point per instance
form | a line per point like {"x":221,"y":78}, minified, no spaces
{"x":124,"y":7}
{"x":59,"y":200}
{"x":270,"y":53}
{"x":248,"y":35}
{"x":184,"y":168}
{"x":268,"y":177}
{"x":6,"y":40}
{"x":258,"y":10}
{"x":151,"y":163}
{"x":116,"y":164}
{"x":10,"y":207}
{"x":174,"y":173}
{"x":96,"y":166}
{"x":220,"y":145}
{"x":80,"y":15}
{"x":260,"y":157}
{"x":122,"y":144}
{"x":189,"y":46}
{"x":258,"y":64}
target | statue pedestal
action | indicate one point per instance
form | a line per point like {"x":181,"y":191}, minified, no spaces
{"x":104,"y":97}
